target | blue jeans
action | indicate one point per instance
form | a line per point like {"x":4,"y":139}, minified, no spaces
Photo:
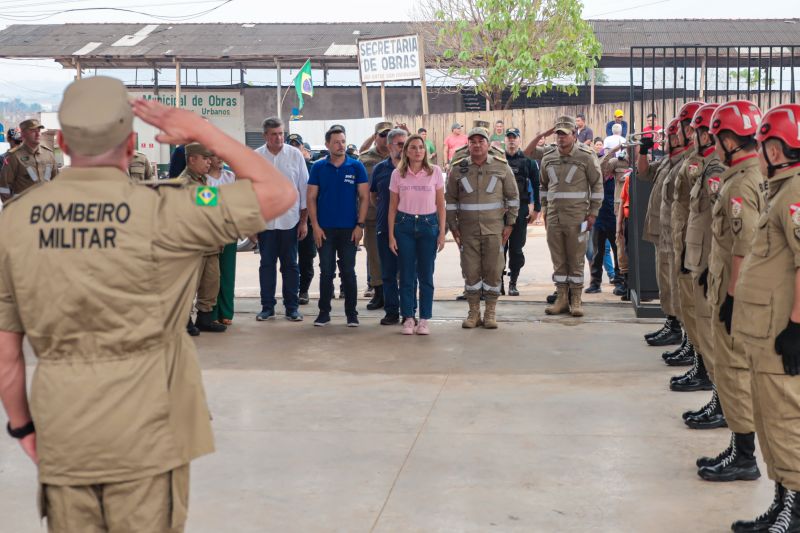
{"x":338,"y":242}
{"x":391,"y":292}
{"x":274,"y":245}
{"x":416,"y":237}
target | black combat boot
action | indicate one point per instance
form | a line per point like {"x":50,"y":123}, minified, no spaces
{"x":710,"y":416}
{"x":788,"y":520}
{"x":512,"y":286}
{"x":667,"y":354}
{"x":667,"y":325}
{"x":694,"y":380}
{"x":377,"y":299}
{"x":762,"y":522}
{"x":682,"y":358}
{"x":622,"y":288}
{"x":191,"y":329}
{"x":711,"y":461}
{"x":205,"y":322}
{"x":739,"y":465}
{"x":671,"y":335}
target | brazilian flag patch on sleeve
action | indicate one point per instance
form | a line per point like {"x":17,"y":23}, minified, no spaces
{"x":207,"y":196}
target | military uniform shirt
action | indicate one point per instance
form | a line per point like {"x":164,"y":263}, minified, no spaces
{"x":117,"y":393}
{"x":764,"y":290}
{"x":25,"y":167}
{"x":571,"y":185}
{"x":656,"y":173}
{"x":481,"y":199}
{"x":698,"y":224}
{"x":140,"y":168}
{"x":740,"y":193}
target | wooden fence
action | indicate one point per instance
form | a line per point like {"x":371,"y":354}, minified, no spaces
{"x":535,"y":120}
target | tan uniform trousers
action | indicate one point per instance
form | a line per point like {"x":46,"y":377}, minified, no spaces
{"x":157,"y":504}
{"x":373,"y":258}
{"x":567,"y":246}
{"x":622,"y":254}
{"x":732,"y":378}
{"x":482,"y":263}
{"x":685,"y":286}
{"x":702,"y":324}
{"x":664,"y":277}
{"x":776,"y":413}
{"x":208,"y":288}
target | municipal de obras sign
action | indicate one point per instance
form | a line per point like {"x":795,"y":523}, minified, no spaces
{"x":390,"y":59}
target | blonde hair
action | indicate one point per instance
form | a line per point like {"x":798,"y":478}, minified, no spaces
{"x":403,"y":167}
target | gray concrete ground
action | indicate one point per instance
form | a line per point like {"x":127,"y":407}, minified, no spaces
{"x":546,"y":424}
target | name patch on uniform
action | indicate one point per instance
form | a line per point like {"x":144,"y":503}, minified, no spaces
{"x":736,"y":207}
{"x":62,"y":231}
{"x":713,"y":184}
{"x":207,"y":196}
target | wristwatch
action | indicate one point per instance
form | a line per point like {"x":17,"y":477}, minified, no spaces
{"x":361,"y":225}
{"x":21,"y":433}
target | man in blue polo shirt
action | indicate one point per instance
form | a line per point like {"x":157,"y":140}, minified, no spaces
{"x":337,"y":197}
{"x":379,"y":194}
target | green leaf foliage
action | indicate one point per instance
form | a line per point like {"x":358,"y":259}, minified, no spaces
{"x":525,"y":46}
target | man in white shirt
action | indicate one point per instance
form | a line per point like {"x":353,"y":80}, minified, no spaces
{"x":615,"y":139}
{"x":279,"y":240}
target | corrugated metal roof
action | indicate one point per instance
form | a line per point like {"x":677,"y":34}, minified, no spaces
{"x":258,"y":45}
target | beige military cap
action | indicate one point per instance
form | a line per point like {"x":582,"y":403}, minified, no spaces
{"x":30,"y":124}
{"x":382,"y":127}
{"x":95,"y":115}
{"x":483,"y":132}
{"x":197,"y":149}
{"x":566,"y":124}
{"x":481,"y":124}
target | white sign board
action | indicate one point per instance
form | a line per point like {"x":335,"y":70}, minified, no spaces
{"x":389,"y":59}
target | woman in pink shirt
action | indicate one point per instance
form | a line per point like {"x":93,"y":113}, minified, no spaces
{"x":416,"y":229}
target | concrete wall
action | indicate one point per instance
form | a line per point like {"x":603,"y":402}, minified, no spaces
{"x":332,"y":103}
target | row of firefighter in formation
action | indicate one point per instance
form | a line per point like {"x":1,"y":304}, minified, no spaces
{"x":724,"y":216}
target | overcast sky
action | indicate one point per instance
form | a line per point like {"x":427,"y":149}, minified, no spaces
{"x":43,"y":80}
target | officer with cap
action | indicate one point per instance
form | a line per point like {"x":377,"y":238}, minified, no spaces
{"x":30,"y":164}
{"x":526,"y":174}
{"x":463,"y":151}
{"x":571,"y":194}
{"x":370,"y":158}
{"x":482,"y":205}
{"x":117,"y":408}
{"x":766,"y":318}
{"x":306,"y":249}
{"x":197,"y":165}
{"x":352,"y":150}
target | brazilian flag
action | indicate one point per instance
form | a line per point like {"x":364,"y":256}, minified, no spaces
{"x":303,"y":83}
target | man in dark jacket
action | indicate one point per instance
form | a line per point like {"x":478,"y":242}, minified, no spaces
{"x":605,"y":229}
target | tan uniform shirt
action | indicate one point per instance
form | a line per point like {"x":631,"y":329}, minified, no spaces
{"x":765,"y":288}
{"x":117,"y":393}
{"x":370,"y":158}
{"x":140,"y":168}
{"x":481,"y":199}
{"x":740,"y":192}
{"x":25,"y":167}
{"x":667,"y":197}
{"x":698,"y":225}
{"x":571,"y":185}
{"x":657,"y":173}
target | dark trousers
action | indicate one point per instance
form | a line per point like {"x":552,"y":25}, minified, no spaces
{"x":599,"y":238}
{"x":274,"y":245}
{"x":338,"y":243}
{"x":306,"y":252}
{"x":516,"y":242}
{"x":227,"y":282}
{"x":391,"y":291}
{"x":416,"y":237}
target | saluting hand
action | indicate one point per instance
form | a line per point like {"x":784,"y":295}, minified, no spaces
{"x":178,"y":126}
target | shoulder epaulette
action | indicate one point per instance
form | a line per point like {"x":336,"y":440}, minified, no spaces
{"x":171,"y":182}
{"x":45,"y":147}
{"x":500,"y":158}
{"x":549,"y":149}
{"x":463,"y":162}
{"x":11,"y":151}
{"x":585,"y":148}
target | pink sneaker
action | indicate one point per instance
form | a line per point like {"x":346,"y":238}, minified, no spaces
{"x":408,"y":326}
{"x":422,"y":329}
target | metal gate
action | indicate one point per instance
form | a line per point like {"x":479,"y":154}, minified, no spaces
{"x":662,"y":79}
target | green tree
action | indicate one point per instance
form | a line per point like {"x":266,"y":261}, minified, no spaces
{"x":523,"y":46}
{"x":753,"y":77}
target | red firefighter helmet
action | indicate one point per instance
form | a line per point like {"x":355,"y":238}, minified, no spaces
{"x":741,"y":117}
{"x":674,"y":126}
{"x":702,"y":117}
{"x":781,"y":122}
{"x":688,"y":110}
